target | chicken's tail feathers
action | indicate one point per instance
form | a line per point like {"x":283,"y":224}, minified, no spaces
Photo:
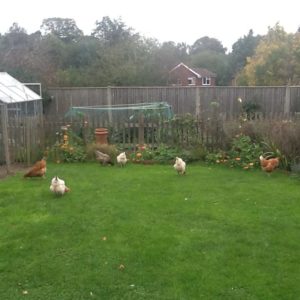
{"x":28,"y":174}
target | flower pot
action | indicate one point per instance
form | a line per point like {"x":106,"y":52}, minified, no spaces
{"x":101,"y":135}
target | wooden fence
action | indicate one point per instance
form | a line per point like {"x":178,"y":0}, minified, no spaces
{"x":127,"y":135}
{"x":272,"y":101}
{"x":24,"y":138}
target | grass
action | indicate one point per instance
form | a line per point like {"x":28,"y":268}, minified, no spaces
{"x":142,"y":232}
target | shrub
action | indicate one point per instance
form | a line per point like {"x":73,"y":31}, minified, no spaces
{"x":67,"y":148}
{"x":243,"y":153}
{"x":195,"y":153}
{"x":165,"y":154}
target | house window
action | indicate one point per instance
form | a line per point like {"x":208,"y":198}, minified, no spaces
{"x":205,"y":80}
{"x":191,"y":81}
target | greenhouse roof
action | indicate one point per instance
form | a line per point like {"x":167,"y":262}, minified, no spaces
{"x":150,"y":109}
{"x":13,"y":91}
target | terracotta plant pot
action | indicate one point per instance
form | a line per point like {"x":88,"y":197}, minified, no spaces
{"x":101,"y":135}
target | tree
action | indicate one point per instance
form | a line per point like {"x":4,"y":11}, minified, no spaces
{"x":170,"y":54}
{"x":112,"y":32}
{"x":207,"y":44}
{"x":215,"y":62}
{"x":275,"y":61}
{"x":63,"y":28}
{"x":241,"y":50}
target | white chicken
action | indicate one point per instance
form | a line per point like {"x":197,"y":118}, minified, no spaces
{"x":58,"y":186}
{"x":180,"y":166}
{"x":122,"y":159}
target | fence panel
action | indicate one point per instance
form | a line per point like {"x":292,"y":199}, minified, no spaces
{"x":271,"y":101}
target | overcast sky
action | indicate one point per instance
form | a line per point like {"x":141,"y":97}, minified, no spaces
{"x":165,"y":20}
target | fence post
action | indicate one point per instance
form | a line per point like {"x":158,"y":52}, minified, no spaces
{"x":28,"y":140}
{"x":4,"y":118}
{"x":141,"y":132}
{"x":198,"y":102}
{"x":287,"y":101}
{"x":109,"y":103}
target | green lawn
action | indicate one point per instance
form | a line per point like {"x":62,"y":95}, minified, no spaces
{"x":143,"y":232}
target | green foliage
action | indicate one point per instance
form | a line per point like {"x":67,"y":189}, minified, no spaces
{"x":274,"y":61}
{"x":195,"y":153}
{"x":113,"y":31}
{"x":64,"y":28}
{"x":114,"y":54}
{"x":207,"y":44}
{"x":165,"y":154}
{"x":241,"y":50}
{"x":142,"y":154}
{"x":249,"y":109}
{"x":215,"y":62}
{"x":67,"y":148}
{"x":243,"y":153}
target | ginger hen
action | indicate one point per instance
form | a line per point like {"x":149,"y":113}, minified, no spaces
{"x":268,"y":165}
{"x":38,"y":169}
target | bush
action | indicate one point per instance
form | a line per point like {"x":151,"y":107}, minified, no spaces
{"x":165,"y":154}
{"x":243,"y":153}
{"x":67,"y":148}
{"x":277,"y":138}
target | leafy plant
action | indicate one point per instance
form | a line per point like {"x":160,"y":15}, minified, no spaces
{"x":249,"y":108}
{"x":271,"y":151}
{"x":68,"y":147}
{"x":243,"y":153}
{"x":165,"y":154}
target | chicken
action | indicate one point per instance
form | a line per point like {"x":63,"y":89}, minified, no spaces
{"x":121,"y":159}
{"x":38,"y":169}
{"x":180,"y":166}
{"x":58,"y":186}
{"x":103,"y":158}
{"x":268,"y":165}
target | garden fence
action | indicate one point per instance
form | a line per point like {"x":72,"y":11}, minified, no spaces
{"x":23,"y":139}
{"x":271,"y":102}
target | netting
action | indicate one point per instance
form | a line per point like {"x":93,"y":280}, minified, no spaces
{"x":127,"y":112}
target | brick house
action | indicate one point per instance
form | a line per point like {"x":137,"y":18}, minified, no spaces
{"x":183,"y":75}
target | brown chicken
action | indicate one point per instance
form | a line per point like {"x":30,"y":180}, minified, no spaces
{"x":268,"y":165}
{"x":38,"y":169}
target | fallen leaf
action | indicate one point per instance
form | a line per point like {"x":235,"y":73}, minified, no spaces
{"x":104,"y":238}
{"x":25,"y":292}
{"x":121,"y":267}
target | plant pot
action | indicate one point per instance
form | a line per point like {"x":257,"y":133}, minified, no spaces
{"x":101,"y":135}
